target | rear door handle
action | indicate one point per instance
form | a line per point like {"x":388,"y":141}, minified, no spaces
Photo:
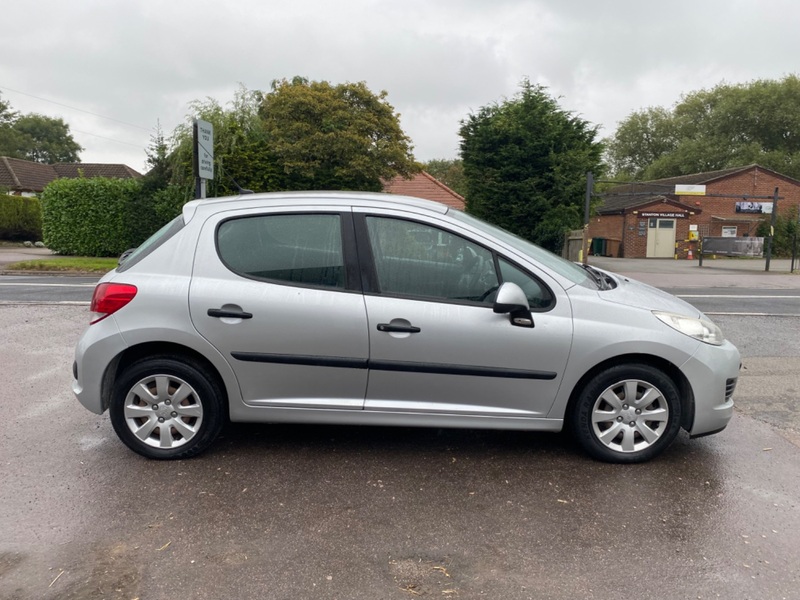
{"x":231,"y":314}
{"x":389,"y":328}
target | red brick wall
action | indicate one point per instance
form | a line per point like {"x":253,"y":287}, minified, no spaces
{"x":609,"y":227}
{"x":754,"y":182}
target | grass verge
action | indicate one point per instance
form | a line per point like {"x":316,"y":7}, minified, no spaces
{"x":79,"y":264}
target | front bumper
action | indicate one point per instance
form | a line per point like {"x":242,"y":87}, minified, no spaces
{"x":710,"y":371}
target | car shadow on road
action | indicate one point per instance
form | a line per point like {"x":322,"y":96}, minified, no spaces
{"x":536,"y":449}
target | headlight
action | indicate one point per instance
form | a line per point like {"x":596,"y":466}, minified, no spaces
{"x":699,"y":329}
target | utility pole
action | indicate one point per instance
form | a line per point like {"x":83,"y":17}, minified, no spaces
{"x":589,"y":189}
{"x":794,"y":251}
{"x":772,"y":228}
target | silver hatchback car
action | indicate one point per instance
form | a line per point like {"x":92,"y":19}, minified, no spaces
{"x":372,"y":309}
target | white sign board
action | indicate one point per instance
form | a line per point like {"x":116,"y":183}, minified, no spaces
{"x":205,"y":149}
{"x":754,"y":207}
{"x":690,"y":190}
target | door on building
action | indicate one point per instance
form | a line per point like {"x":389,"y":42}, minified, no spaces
{"x":660,"y":238}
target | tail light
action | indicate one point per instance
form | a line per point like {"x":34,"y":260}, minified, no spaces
{"x":108,"y":298}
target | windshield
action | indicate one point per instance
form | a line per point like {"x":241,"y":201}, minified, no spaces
{"x":560,"y":265}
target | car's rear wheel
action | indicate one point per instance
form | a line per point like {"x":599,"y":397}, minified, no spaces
{"x":166,"y":408}
{"x":627,"y":414}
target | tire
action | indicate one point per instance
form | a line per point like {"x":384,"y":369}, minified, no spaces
{"x":627,"y":414}
{"x":166,"y":408}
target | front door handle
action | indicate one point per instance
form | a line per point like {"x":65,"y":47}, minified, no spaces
{"x":231,"y":314}
{"x":389,"y":328}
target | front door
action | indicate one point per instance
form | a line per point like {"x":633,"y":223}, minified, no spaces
{"x":661,"y":238}
{"x":436,"y":346}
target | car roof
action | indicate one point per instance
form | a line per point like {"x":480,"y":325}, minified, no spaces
{"x":317,"y":198}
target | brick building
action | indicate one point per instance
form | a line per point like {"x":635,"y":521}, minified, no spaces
{"x":656,"y":219}
{"x":424,"y":185}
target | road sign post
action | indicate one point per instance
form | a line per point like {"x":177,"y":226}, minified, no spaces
{"x":203,"y":136}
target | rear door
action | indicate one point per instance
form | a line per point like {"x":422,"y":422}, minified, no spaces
{"x":276,"y":293}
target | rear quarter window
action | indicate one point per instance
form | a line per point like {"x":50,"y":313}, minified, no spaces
{"x":152,"y":243}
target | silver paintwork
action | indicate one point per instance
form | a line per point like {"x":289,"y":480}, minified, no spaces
{"x":184,"y":277}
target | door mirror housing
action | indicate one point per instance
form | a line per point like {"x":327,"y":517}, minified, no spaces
{"x":511,"y":300}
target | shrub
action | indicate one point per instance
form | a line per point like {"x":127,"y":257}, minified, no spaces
{"x":168,"y":201}
{"x":20,"y":218}
{"x":95,"y":216}
{"x":785,"y":230}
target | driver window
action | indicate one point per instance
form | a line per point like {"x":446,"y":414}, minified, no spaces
{"x":415,"y":259}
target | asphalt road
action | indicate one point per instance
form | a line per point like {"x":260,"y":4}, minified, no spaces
{"x":741,"y":301}
{"x":32,"y":289}
{"x":376,"y":513}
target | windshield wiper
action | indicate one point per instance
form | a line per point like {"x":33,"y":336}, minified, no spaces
{"x":598,"y":277}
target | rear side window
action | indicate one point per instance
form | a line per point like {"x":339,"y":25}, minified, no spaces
{"x":296,"y":249}
{"x":151,"y":243}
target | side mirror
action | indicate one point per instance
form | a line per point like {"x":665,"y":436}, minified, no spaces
{"x":511,"y":300}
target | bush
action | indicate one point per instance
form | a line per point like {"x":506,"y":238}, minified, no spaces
{"x":20,"y":218}
{"x":786,"y":228}
{"x":168,"y":201}
{"x":96,"y":216}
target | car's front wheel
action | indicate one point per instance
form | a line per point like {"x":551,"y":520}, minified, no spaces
{"x":627,"y":414}
{"x":166,"y":408}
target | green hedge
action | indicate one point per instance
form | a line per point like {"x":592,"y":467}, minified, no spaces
{"x":96,"y":216}
{"x":20,"y":218}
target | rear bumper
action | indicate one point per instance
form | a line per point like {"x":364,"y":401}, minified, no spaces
{"x":709,"y":372}
{"x":97,"y":348}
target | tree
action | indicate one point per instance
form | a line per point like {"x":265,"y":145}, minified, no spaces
{"x":334,"y":136}
{"x":640,"y":140}
{"x":160,"y":199}
{"x":157,"y":153}
{"x":10,"y":139}
{"x":7,"y":115}
{"x":242,"y":154}
{"x":46,"y":140}
{"x":300,"y":136}
{"x":730,"y":125}
{"x":36,"y":137}
{"x":525,"y":162}
{"x":449,"y":171}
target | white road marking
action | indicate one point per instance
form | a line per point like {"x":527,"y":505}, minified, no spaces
{"x":749,"y":314}
{"x":735,"y":296}
{"x":44,"y":303}
{"x":10,"y":283}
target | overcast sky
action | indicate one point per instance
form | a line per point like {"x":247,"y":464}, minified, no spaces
{"x":139,"y":62}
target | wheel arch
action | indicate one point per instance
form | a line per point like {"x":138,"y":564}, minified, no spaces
{"x":673,"y":372}
{"x":151,"y":349}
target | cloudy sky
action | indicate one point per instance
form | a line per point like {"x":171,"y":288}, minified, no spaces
{"x":112,"y":69}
